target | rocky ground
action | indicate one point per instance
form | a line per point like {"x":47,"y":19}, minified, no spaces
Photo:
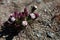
{"x":46,"y":27}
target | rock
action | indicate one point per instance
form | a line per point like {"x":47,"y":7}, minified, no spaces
{"x":38,"y":1}
{"x":38,"y":33}
{"x":50,"y":34}
{"x":5,"y":36}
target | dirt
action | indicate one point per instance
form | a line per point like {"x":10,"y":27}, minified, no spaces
{"x":38,"y":29}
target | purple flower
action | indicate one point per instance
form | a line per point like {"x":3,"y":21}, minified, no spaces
{"x":25,"y":9}
{"x":20,"y":14}
{"x":16,"y":13}
{"x":25,"y":12}
{"x":36,"y":14}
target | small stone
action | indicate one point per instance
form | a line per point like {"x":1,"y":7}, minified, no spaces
{"x":45,"y":10}
{"x":38,"y":1}
{"x":37,"y":33}
{"x":50,"y":34}
{"x":33,"y":8}
{"x":5,"y":36}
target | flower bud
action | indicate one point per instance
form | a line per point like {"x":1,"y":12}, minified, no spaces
{"x":36,"y":14}
{"x":25,"y":9}
{"x":33,"y":8}
{"x":16,"y":13}
{"x":11,"y":15}
{"x":32,"y":15}
{"x":20,"y":14}
{"x":11,"y":20}
{"x":25,"y":12}
{"x":24,"y":23}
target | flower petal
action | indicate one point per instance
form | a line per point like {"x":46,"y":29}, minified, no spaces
{"x":24,"y":23}
{"x":32,"y":15}
{"x":36,"y":14}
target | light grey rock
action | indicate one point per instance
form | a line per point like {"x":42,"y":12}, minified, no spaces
{"x":38,"y":1}
{"x":38,"y":33}
{"x":50,"y":34}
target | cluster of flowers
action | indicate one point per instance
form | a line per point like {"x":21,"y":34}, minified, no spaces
{"x":21,"y":18}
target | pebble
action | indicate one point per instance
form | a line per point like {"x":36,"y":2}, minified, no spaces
{"x":5,"y":36}
{"x":37,"y":33}
{"x":38,"y":1}
{"x":50,"y":34}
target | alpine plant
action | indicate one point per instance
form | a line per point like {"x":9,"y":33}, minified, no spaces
{"x":21,"y":18}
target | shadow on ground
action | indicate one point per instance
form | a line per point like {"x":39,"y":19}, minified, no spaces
{"x":10,"y":30}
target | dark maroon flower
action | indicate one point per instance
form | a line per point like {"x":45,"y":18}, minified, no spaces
{"x":25,"y":9}
{"x":36,"y":14}
{"x":16,"y":13}
{"x":25,"y":12}
{"x":21,"y":15}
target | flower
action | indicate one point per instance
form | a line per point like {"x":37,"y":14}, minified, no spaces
{"x":13,"y":19}
{"x":20,"y":15}
{"x":32,"y":15}
{"x":11,"y":14}
{"x":24,"y":23}
{"x":25,"y":12}
{"x":16,"y":13}
{"x":25,"y":9}
{"x":37,"y":15}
